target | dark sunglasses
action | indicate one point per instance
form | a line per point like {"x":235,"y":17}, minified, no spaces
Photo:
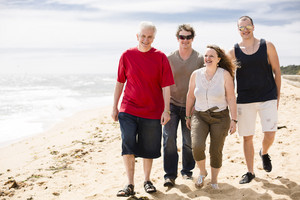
{"x":183,"y":37}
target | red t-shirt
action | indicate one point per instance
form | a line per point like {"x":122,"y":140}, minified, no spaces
{"x":145,"y":74}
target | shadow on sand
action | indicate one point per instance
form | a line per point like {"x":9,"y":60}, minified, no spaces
{"x":287,"y":190}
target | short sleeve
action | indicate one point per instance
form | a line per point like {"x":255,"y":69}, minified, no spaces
{"x":121,"y":70}
{"x":167,"y":77}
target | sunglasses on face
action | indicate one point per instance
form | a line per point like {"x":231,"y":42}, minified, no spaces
{"x":183,"y":37}
{"x":248,"y":27}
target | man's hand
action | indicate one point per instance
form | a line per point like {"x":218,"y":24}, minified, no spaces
{"x":165,"y":117}
{"x":114,"y":114}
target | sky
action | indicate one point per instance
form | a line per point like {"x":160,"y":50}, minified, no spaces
{"x":89,"y":36}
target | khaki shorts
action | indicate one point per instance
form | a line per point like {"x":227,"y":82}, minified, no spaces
{"x":247,"y":117}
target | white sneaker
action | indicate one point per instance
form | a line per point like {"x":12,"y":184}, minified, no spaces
{"x":215,"y":186}
{"x":200,"y":181}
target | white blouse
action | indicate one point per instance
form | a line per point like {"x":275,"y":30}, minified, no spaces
{"x":210,"y":93}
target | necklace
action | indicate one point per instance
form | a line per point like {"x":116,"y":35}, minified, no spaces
{"x":208,"y":76}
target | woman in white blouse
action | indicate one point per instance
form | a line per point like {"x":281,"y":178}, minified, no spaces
{"x":211,"y":92}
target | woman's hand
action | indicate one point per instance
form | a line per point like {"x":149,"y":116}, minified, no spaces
{"x":188,"y":123}
{"x":232,"y":128}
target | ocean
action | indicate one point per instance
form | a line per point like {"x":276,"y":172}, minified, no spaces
{"x":31,"y":103}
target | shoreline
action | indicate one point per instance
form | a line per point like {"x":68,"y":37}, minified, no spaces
{"x":39,"y":126}
{"x":80,"y":158}
{"x":59,"y":123}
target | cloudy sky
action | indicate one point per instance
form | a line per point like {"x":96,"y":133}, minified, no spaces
{"x":88,"y":36}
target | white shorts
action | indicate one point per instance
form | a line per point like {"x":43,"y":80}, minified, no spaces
{"x":247,"y":117}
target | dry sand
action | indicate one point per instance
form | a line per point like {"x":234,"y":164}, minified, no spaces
{"x":80,"y":159}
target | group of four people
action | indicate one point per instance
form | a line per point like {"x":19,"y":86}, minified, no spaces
{"x":198,"y":92}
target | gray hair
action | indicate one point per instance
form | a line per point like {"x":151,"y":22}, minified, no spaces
{"x":146,"y":25}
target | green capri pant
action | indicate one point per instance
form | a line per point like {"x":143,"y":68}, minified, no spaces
{"x":215,"y":123}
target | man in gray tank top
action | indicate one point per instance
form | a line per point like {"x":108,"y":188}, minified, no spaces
{"x":183,"y":62}
{"x":258,"y":92}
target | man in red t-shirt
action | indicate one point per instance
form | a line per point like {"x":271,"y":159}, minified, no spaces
{"x":145,"y":105}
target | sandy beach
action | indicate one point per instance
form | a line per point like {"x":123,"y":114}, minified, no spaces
{"x":80,"y":159}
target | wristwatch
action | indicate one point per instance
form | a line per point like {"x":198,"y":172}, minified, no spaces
{"x":188,"y":117}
